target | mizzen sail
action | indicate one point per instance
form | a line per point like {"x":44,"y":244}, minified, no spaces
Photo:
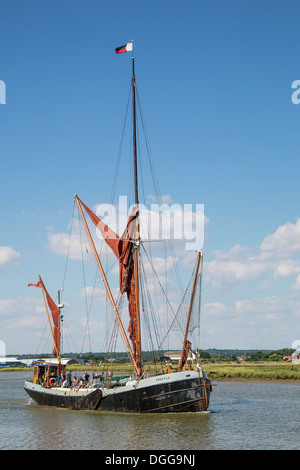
{"x":55,"y":316}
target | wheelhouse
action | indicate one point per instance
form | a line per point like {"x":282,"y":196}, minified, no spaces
{"x":44,"y":374}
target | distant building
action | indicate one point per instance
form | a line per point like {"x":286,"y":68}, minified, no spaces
{"x":10,"y":362}
{"x":176,"y":355}
{"x":14,"y":362}
{"x":241,"y":358}
{"x":64,"y":361}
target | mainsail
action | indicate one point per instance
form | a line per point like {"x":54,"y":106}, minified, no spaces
{"x":122,"y":247}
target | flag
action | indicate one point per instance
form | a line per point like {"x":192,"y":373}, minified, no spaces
{"x":36,"y":285}
{"x":125,"y":48}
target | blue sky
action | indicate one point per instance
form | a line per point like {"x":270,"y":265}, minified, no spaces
{"x":214,"y":79}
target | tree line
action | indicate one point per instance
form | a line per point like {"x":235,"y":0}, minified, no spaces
{"x":247,"y":355}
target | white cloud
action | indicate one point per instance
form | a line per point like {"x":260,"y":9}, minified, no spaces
{"x":215,"y":309}
{"x":236,"y":252}
{"x":259,"y":306}
{"x":296,"y":286}
{"x":287,"y":268}
{"x":227,"y":273}
{"x":76,"y":246}
{"x":22,"y":322}
{"x":285,"y":241}
{"x":265,"y":321}
{"x":164,"y":199}
{"x":237,"y":265}
{"x":8,"y":255}
{"x":161,"y":265}
{"x":275,"y":258}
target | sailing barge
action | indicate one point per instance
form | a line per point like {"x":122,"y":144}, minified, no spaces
{"x":181,"y":389}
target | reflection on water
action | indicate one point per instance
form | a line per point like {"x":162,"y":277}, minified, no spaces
{"x":241,"y":416}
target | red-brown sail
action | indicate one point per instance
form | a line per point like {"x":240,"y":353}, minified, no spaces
{"x":123,"y":250}
{"x":55,"y":316}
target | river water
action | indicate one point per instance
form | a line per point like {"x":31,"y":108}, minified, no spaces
{"x":242,"y":416}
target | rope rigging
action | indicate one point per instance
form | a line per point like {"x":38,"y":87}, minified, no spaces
{"x":153,"y":292}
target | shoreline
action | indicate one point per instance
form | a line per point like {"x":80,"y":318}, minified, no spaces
{"x":213,"y":376}
{"x":253,"y":380}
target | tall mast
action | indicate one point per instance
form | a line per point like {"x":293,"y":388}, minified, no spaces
{"x":60,"y":319}
{"x":137,"y":232}
{"x":134,"y":136}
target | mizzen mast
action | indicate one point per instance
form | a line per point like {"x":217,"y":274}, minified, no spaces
{"x":186,"y":344}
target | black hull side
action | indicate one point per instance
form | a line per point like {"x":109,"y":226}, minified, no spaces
{"x":89,"y":402}
{"x":187,"y":395}
{"x":181,"y":396}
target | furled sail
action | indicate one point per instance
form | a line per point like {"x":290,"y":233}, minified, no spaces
{"x":55,"y":316}
{"x":123,"y":250}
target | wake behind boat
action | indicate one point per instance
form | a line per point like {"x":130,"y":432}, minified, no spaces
{"x":181,"y":389}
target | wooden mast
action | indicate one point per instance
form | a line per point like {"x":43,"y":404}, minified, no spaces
{"x":107,"y":287}
{"x":183,"y":352}
{"x":137,"y":233}
{"x":60,"y":319}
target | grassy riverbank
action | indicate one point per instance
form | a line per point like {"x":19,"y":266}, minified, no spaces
{"x":223,"y":370}
{"x":254,"y":371}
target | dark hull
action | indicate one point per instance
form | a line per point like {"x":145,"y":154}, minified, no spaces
{"x":43,"y":397}
{"x":185,"y":395}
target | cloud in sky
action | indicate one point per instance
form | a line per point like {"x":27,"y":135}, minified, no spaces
{"x":267,"y":320}
{"x":277,"y":257}
{"x":8,"y":255}
{"x":285,"y":241}
{"x":22,"y":322}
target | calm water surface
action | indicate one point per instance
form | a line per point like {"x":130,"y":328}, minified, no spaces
{"x":242,"y":416}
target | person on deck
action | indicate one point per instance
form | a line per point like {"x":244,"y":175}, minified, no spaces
{"x":69,"y":379}
{"x":86,"y":377}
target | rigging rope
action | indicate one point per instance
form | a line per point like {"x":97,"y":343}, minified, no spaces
{"x":156,"y":188}
{"x":68,"y":250}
